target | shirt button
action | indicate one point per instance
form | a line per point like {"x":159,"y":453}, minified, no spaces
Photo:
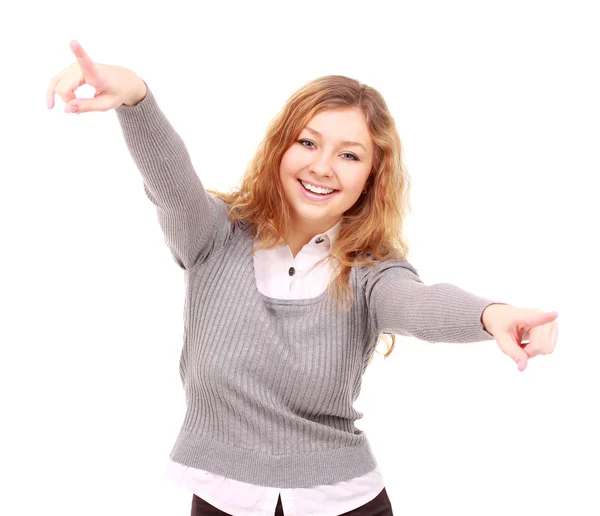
{"x":319,"y":240}
{"x":292,"y":271}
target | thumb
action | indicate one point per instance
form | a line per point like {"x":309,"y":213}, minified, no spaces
{"x":513,"y":350}
{"x":100,"y":103}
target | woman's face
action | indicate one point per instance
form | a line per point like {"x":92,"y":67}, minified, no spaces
{"x":333,"y":151}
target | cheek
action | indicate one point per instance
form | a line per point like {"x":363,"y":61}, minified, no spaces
{"x":353,"y":186}
{"x":287,"y":170}
{"x":284,"y":167}
{"x":285,"y":164}
{"x":292,"y":161}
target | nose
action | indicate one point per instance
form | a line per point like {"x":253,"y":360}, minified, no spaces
{"x":321,"y":165}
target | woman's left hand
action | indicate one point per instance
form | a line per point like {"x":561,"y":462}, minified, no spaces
{"x":512,"y":327}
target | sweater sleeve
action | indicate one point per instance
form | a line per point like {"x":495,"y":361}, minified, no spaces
{"x":192,"y":221}
{"x":400,"y":303}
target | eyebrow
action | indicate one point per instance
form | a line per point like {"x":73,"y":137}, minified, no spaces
{"x":345,"y":142}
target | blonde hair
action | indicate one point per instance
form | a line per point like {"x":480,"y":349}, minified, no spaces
{"x":372,"y":227}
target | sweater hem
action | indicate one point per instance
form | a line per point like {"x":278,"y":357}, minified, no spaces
{"x":302,"y":469}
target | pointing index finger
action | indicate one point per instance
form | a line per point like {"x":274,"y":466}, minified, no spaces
{"x":88,"y":67}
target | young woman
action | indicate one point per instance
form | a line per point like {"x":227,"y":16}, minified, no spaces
{"x":291,"y":280}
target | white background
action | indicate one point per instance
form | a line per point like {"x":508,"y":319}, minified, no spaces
{"x":497,"y":107}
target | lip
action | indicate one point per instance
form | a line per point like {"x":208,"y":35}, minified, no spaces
{"x":315,"y":197}
{"x":316,"y":184}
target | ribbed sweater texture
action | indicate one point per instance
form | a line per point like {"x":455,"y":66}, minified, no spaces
{"x":270,"y":383}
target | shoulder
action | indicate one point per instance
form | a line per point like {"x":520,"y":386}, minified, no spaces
{"x":369,"y":274}
{"x":225,"y":227}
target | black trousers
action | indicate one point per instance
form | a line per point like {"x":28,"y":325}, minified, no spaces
{"x":379,"y":506}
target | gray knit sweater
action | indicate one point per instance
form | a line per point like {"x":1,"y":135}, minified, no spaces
{"x":270,"y":383}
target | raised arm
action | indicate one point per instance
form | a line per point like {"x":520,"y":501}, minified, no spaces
{"x":192,"y":221}
{"x":399,"y":302}
{"x":187,"y":214}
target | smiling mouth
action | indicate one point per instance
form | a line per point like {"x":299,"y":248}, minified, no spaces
{"x":317,"y":193}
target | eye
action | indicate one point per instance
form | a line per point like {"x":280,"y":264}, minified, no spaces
{"x":352,"y":156}
{"x":302,"y":142}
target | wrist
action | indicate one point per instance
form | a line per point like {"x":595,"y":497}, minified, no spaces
{"x":139,"y":94}
{"x":488,"y":315}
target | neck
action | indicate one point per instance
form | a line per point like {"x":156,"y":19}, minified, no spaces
{"x":301,"y":234}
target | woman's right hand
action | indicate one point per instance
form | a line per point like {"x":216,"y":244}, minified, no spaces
{"x":114,"y":85}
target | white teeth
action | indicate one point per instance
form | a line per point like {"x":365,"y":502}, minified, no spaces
{"x":316,"y":189}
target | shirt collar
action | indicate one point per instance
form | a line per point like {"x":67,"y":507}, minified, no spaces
{"x":328,"y":236}
{"x":324,"y":241}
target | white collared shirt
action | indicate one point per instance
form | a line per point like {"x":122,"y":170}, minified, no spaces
{"x":280,"y":275}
